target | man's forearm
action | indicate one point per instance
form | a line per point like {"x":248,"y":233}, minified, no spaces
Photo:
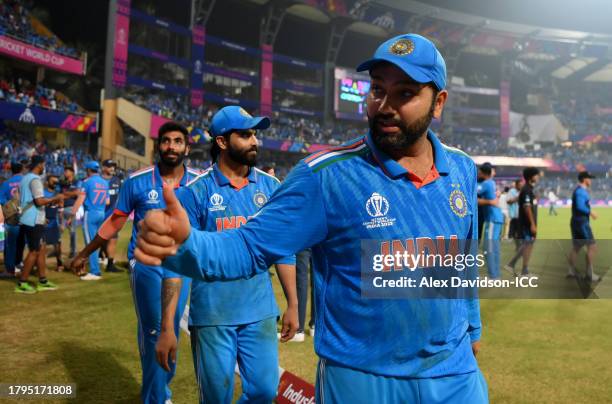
{"x":93,"y":245}
{"x":286,"y":276}
{"x":171,"y":290}
{"x":214,"y":256}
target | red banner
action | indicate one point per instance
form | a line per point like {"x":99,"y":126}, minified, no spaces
{"x":294,"y":390}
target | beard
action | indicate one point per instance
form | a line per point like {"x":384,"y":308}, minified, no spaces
{"x":245,"y":157}
{"x":167,"y":159}
{"x":407,"y":135}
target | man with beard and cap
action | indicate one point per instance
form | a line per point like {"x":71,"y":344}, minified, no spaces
{"x":397,"y":186}
{"x":142,"y":192}
{"x":231,"y":321}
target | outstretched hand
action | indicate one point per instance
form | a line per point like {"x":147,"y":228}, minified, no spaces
{"x":162,"y":231}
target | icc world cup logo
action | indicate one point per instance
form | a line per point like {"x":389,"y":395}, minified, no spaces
{"x":216,"y":200}
{"x":377,"y":205}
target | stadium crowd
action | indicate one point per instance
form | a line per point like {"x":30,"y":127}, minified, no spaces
{"x":20,"y":90}
{"x":15,"y":20}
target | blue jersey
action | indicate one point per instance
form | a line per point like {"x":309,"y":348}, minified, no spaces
{"x":491,"y":213}
{"x":95,"y":189}
{"x":214,"y":204}
{"x":581,"y":204}
{"x":332,"y":201}
{"x":141,"y":192}
{"x":9,"y":188}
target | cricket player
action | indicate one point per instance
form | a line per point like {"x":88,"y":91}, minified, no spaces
{"x":397,"y":183}
{"x":232,"y":320}
{"x":493,"y":220}
{"x":94,"y":197}
{"x":141,"y":192}
{"x":114,"y":184}
{"x":580,"y":225}
{"x":528,"y":221}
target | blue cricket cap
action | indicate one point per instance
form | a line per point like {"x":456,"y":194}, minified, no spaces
{"x":236,"y":118}
{"x":92,"y":165}
{"x":416,"y":55}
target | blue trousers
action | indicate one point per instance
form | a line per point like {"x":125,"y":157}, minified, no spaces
{"x":215,"y":352}
{"x":492,"y":239}
{"x":146,"y":283}
{"x":337,"y":384}
{"x":92,"y":221}
{"x":10,"y":247}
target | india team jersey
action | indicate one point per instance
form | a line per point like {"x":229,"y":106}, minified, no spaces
{"x":141,"y":192}
{"x":332,"y":201}
{"x":488,"y":191}
{"x":96,"y":193}
{"x":214,"y":204}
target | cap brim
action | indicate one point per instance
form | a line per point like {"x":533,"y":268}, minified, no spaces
{"x":413,"y":71}
{"x":257,"y":122}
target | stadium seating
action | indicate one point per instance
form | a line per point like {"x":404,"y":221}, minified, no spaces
{"x":15,"y":20}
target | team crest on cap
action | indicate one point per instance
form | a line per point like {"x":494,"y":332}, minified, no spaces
{"x":402,"y":47}
{"x":260,"y":199}
{"x":458,"y":203}
{"x":244,"y":113}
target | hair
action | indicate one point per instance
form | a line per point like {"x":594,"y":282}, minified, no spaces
{"x":67,"y":167}
{"x":172,"y":126}
{"x":530,"y":172}
{"x":486,"y":169}
{"x":16,"y":168}
{"x":506,"y":189}
{"x":215,"y":150}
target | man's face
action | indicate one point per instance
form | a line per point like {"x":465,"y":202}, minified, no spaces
{"x":399,"y":109}
{"x":534,"y":180}
{"x":241,"y":146}
{"x":52,"y":182}
{"x":587,"y":182}
{"x":68,"y":174}
{"x":173,"y":149}
{"x":108,"y":171}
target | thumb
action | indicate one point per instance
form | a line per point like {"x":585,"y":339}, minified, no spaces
{"x":172,"y":203}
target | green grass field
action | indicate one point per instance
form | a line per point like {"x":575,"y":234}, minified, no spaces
{"x":533,"y":351}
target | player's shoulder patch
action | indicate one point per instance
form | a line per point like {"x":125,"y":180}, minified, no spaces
{"x":266,"y":175}
{"x":326,"y":157}
{"x":141,"y":172}
{"x":200,"y":177}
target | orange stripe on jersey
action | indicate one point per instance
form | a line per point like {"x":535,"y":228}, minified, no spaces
{"x":238,"y":185}
{"x":334,"y":149}
{"x":431,"y":176}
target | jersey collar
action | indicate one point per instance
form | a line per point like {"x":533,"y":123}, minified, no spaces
{"x":157,"y":179}
{"x":222,"y":180}
{"x":394,"y":170}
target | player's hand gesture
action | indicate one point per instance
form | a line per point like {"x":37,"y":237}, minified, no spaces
{"x":165,"y":348}
{"x":162,"y":231}
{"x":290,"y":323}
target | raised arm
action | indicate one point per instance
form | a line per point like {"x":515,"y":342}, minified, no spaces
{"x":293,"y":219}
